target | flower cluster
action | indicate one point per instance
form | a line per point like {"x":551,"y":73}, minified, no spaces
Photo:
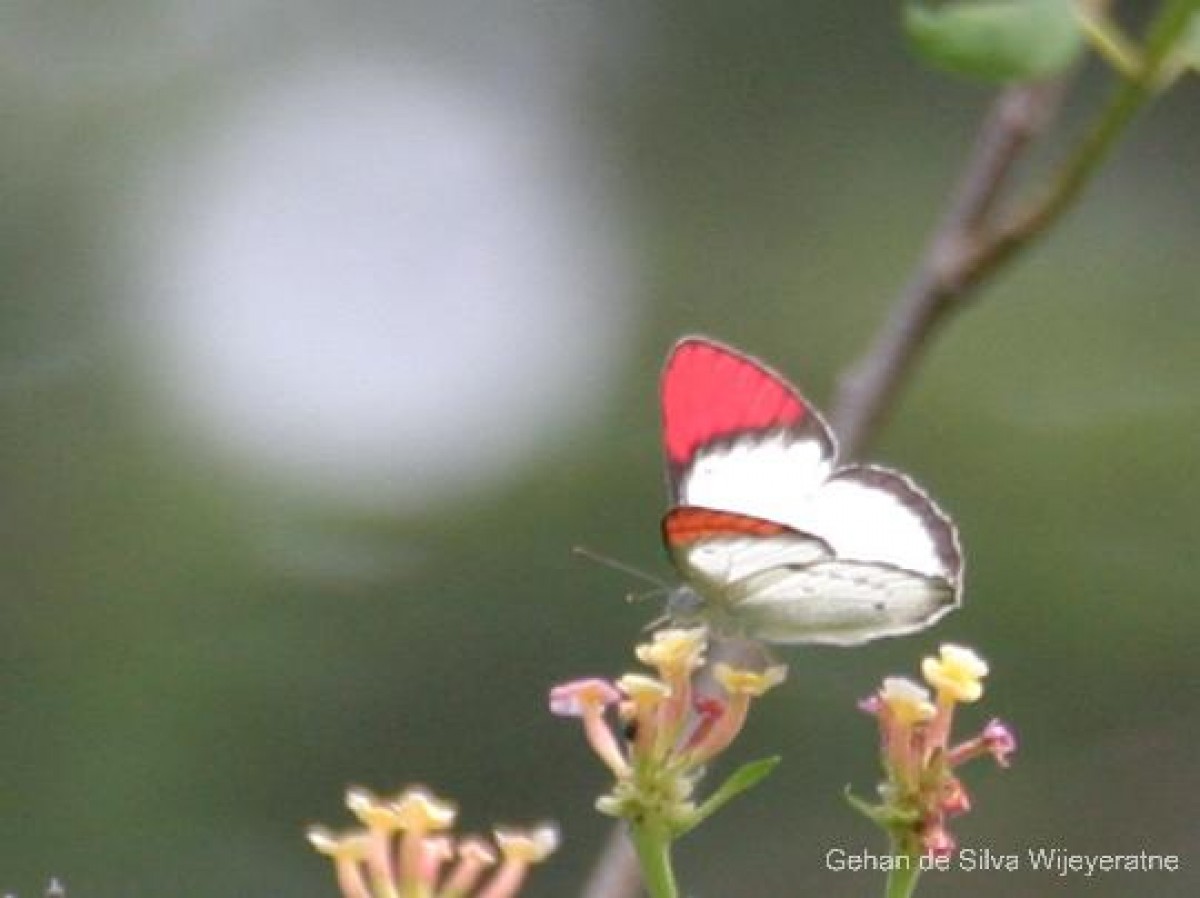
{"x":404,"y":849}
{"x":667,"y":728}
{"x":922,"y":790}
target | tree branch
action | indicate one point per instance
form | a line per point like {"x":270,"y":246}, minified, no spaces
{"x":616,"y":874}
{"x":966,"y":249}
{"x":946,"y":271}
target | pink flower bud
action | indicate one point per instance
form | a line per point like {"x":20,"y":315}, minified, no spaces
{"x":1000,"y":741}
{"x":938,"y":842}
{"x":954,"y":800}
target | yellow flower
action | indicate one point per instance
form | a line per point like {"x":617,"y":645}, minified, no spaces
{"x":418,"y":810}
{"x":642,"y":710}
{"x":372,"y":811}
{"x":908,"y":702}
{"x":530,"y":846}
{"x":352,"y":845}
{"x":753,"y":683}
{"x":521,"y":848}
{"x":725,"y":718}
{"x":956,"y":674}
{"x":351,"y":852}
{"x":407,"y":849}
{"x":676,"y":653}
{"x":643,"y":690}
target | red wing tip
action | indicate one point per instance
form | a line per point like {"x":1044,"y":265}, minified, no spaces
{"x":711,"y":391}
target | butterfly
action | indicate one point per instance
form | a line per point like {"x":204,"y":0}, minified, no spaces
{"x":773,"y":539}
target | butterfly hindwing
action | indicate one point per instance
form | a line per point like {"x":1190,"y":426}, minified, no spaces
{"x":872,"y":514}
{"x":839,"y":602}
{"x":721,"y":548}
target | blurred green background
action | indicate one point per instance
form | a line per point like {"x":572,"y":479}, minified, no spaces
{"x":328,"y":329}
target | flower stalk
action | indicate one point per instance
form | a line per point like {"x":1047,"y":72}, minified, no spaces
{"x":921,"y":790}
{"x":404,"y":849}
{"x":658,"y":734}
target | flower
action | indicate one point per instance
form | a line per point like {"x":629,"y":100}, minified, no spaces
{"x":997,"y":739}
{"x":905,"y":701}
{"x":749,"y":683}
{"x":521,"y":849}
{"x":922,"y":790}
{"x":588,"y":699}
{"x":405,"y":847}
{"x":350,"y":851}
{"x":676,"y":652}
{"x":957,"y":673}
{"x":418,"y":810}
{"x":640,"y":710}
{"x":474,"y":857}
{"x":665,"y":730}
{"x":527,"y":846}
{"x":722,"y":723}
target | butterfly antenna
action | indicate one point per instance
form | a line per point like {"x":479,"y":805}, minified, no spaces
{"x":636,"y":598}
{"x":614,"y":564}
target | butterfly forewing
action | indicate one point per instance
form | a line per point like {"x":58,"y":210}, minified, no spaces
{"x":766,"y":475}
{"x":731,"y":426}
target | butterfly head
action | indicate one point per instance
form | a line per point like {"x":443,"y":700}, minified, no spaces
{"x":685,"y":606}
{"x":688,"y":607}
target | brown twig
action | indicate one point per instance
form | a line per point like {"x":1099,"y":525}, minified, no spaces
{"x":616,"y":873}
{"x":949,"y":267}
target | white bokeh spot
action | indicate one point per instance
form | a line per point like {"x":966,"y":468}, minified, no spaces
{"x":380,"y":285}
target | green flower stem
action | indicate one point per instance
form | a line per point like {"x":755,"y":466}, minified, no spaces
{"x":1168,"y":27}
{"x":902,"y":881}
{"x":652,"y":842}
{"x":1129,"y":97}
{"x":1108,"y":40}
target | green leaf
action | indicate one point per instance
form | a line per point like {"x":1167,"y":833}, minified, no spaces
{"x":883,"y":815}
{"x":745,"y":777}
{"x":995,"y":40}
{"x":868,"y":810}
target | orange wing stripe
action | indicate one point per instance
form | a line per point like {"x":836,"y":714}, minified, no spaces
{"x":688,"y":525}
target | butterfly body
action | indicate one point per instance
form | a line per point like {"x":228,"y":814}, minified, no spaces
{"x":773,"y":539}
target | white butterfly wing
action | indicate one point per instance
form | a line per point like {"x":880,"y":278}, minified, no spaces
{"x":719,"y":549}
{"x":765,"y":475}
{"x":838,"y":602}
{"x":720,"y":553}
{"x":873,"y":515}
{"x":862,"y":513}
